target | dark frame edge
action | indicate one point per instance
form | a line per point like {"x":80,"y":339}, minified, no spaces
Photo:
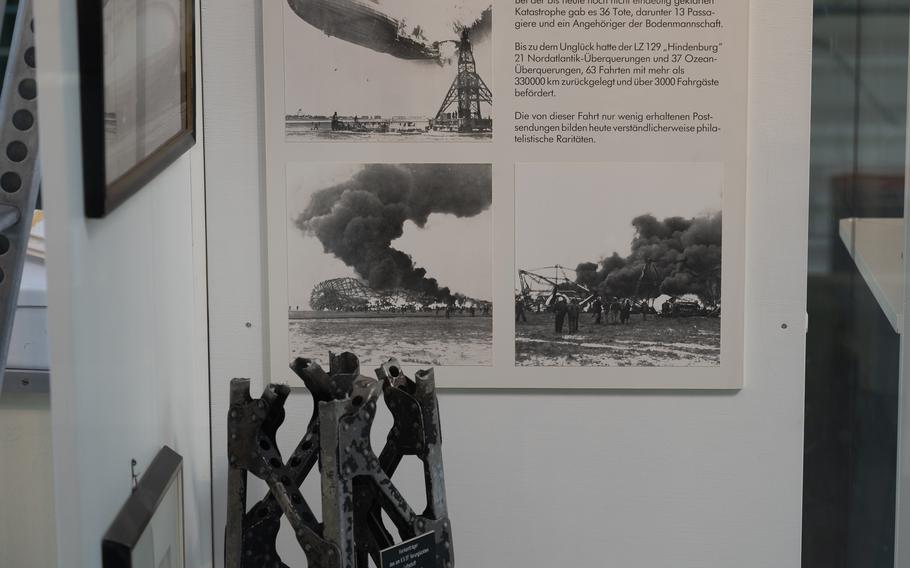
{"x":136,"y":513}
{"x":100,"y":198}
{"x":90,"y":18}
{"x":145,"y":171}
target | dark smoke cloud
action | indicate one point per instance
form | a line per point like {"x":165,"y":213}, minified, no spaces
{"x":358,"y":220}
{"x":480,"y":29}
{"x":684,"y":256}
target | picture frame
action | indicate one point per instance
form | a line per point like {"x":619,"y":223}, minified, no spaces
{"x":138,"y":95}
{"x":149,"y":529}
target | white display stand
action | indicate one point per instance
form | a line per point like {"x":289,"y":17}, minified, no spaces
{"x":876,"y":246}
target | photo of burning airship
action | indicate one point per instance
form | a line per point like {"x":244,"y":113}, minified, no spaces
{"x":383,"y":256}
{"x":363,"y":23}
{"x":387,"y":70}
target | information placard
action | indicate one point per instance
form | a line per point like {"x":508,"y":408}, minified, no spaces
{"x":519,"y":193}
{"x":419,"y":552}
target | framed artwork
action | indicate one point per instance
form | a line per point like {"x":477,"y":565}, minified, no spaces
{"x":137,"y":73}
{"x":148,"y":531}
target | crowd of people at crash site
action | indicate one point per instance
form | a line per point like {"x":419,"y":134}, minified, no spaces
{"x":603,"y":311}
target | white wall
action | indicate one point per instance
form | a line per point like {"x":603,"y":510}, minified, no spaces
{"x":708,"y":480}
{"x":127,"y":316}
{"x":26,"y":481}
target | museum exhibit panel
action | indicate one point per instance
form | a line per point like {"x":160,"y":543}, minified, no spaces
{"x":400,"y":283}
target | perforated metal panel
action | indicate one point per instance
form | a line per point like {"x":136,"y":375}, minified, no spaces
{"x":19,"y":179}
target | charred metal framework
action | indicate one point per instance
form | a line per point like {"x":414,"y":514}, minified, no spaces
{"x":356,"y":484}
{"x":341,"y":294}
{"x":352,"y":295}
{"x":349,"y":294}
{"x":467,"y":92}
{"x":539,"y":290}
{"x":649,"y":280}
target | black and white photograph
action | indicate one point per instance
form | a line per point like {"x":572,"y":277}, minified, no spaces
{"x":388,"y":70}
{"x":391,"y":260}
{"x":618,"y":265}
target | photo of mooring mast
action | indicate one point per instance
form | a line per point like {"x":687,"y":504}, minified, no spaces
{"x":381,"y":70}
{"x":466,"y":93}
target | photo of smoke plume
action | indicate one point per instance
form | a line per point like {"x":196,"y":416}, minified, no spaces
{"x":388,"y":70}
{"x":618,"y":265}
{"x":391,"y":259}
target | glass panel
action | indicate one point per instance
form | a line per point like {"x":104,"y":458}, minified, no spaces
{"x":856,"y":200}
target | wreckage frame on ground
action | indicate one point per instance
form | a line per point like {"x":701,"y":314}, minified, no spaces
{"x":356,"y":484}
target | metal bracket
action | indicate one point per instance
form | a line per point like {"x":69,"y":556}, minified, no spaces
{"x":27,"y":381}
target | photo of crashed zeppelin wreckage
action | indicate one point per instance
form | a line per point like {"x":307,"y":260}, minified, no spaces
{"x":622,"y":270}
{"x":391,"y":257}
{"x":388,"y":70}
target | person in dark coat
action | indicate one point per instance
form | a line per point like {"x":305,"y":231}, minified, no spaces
{"x":574,"y":311}
{"x":625,"y":311}
{"x":597,"y":307}
{"x":561,"y":310}
{"x":520,"y":311}
{"x":615,"y":308}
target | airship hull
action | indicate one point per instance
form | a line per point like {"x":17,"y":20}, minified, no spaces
{"x":362,"y":23}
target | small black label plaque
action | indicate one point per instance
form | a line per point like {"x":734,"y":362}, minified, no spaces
{"x":419,"y":552}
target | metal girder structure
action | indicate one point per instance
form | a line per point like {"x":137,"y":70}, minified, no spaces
{"x":467,"y":91}
{"x":560,"y":278}
{"x":344,"y":294}
{"x":19,"y":168}
{"x":340,"y":293}
{"x":356,"y":484}
{"x":535,"y":285}
{"x":650,"y":275}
